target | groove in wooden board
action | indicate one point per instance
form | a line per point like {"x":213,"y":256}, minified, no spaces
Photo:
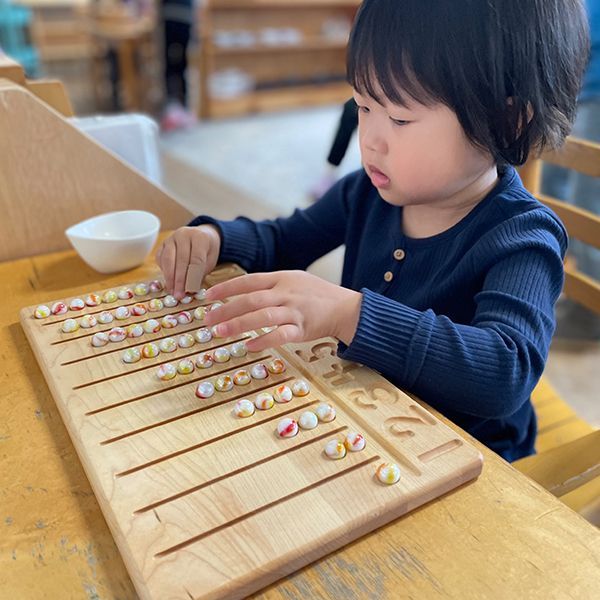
{"x":221,"y":400}
{"x":257,"y":463}
{"x":252,"y":550}
{"x":165,"y":357}
{"x":363,"y":423}
{"x":212,"y":440}
{"x":103,"y":306}
{"x":175,"y":386}
{"x":112,"y":347}
{"x":214,"y":461}
{"x":155,"y":405}
{"x":83,"y":334}
{"x":290,"y":496}
{"x":436,"y":452}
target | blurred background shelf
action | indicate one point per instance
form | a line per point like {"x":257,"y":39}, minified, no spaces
{"x":265,"y":55}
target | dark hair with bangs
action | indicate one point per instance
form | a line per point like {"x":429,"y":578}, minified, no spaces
{"x":511,"y":70}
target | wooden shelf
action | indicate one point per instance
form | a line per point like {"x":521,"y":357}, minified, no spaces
{"x":284,"y":98}
{"x":305,"y":46}
{"x":318,"y":56}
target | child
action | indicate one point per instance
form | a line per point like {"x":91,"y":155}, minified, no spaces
{"x":452,"y":268}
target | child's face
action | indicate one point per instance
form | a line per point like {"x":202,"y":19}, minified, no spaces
{"x":416,"y":155}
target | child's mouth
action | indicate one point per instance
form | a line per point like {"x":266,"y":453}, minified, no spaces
{"x":379,"y":179}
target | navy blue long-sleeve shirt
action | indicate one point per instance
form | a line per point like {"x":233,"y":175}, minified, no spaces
{"x":466,"y":319}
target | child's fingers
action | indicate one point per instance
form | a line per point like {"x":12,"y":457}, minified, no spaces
{"x":241,"y":305}
{"x":182,"y":262}
{"x":242,"y":285}
{"x":265,"y":317}
{"x":167,"y":264}
{"x":278,"y":337}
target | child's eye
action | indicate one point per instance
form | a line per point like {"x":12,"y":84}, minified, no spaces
{"x":364,"y":109}
{"x":399,"y":121}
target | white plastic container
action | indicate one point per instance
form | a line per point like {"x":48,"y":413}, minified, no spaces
{"x":132,"y":137}
{"x":115,"y":241}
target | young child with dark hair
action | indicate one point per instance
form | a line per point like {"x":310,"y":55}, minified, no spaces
{"x":451,"y":268}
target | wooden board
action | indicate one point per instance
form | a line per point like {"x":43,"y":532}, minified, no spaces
{"x":206,"y":505}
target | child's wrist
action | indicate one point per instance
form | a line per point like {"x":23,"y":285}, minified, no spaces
{"x":348,"y":316}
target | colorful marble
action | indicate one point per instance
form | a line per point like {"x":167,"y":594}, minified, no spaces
{"x":59,"y":308}
{"x":325,"y":412}
{"x":242,"y":377}
{"x":238,"y":349}
{"x":243,"y":408}
{"x":204,"y":361}
{"x":138,"y":310}
{"x":150,"y":350}
{"x":41,"y":312}
{"x":185,"y":366}
{"x":117,"y":334}
{"x":155,"y":305}
{"x":300,"y":388}
{"x":88,"y":321}
{"x":264,"y":401}
{"x":205,"y":389}
{"x":354,"y":441}
{"x":151,"y":326}
{"x":388,"y":473}
{"x":131,"y":355}
{"x":283,"y":394}
{"x":186,"y":340}
{"x":122,"y":313}
{"x":135,"y":330}
{"x":166,"y":372}
{"x":203,"y":335}
{"x":105,"y":317}
{"x":170,"y":301}
{"x":287,"y":428}
{"x":186,"y":299}
{"x":168,"y":345}
{"x":335,"y":449}
{"x":169,"y":321}
{"x":70,"y":325}
{"x":156,"y":286}
{"x":100,"y":339}
{"x":259,"y":371}
{"x":308,"y":420}
{"x":93,"y":300}
{"x":200,"y":294}
{"x":221,"y":355}
{"x":276,"y":366}
{"x":109,"y":296}
{"x":76,"y":304}
{"x":141,"y":289}
{"x":224,"y":383}
{"x":125,"y":293}
{"x":184,"y":317}
{"x":200,"y":313}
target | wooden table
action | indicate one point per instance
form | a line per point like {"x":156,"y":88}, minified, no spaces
{"x":500,"y":537}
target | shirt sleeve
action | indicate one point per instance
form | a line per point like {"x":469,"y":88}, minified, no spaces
{"x":488,"y":367}
{"x":293,"y":242}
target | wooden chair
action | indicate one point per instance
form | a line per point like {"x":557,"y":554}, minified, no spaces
{"x":568,"y":462}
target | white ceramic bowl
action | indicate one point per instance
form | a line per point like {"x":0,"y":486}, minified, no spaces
{"x":115,"y":241}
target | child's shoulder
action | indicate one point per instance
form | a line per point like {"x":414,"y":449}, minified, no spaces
{"x":516,"y":214}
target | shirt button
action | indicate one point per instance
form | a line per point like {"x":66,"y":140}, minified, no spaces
{"x":388,"y":276}
{"x":399,"y":254}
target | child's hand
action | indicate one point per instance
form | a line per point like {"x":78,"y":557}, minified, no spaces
{"x":197,"y":246}
{"x":302,"y":306}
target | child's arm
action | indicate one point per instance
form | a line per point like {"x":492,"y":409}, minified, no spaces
{"x":487,"y":368}
{"x":285,"y":243}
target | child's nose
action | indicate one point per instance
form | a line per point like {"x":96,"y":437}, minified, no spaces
{"x":373,"y":140}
